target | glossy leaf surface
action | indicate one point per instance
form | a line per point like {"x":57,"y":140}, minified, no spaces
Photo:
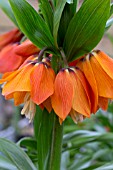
{"x":86,"y":28}
{"x":31,"y":23}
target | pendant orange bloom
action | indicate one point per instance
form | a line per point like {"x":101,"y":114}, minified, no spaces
{"x":71,"y":92}
{"x":97,"y":67}
{"x":31,"y":84}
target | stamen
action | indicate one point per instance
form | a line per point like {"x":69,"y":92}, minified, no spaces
{"x":29,"y":108}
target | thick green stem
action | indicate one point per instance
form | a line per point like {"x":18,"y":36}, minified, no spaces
{"x":56,"y":145}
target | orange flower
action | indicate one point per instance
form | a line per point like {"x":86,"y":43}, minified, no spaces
{"x":10,"y":37}
{"x":31,"y":84}
{"x":11,"y":58}
{"x":71,"y":94}
{"x":10,"y":61}
{"x":98,"y":69}
{"x":26,"y":49}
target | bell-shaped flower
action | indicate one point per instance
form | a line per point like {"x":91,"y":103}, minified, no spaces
{"x":31,"y":84}
{"x":71,"y":93}
{"x":98,"y":70}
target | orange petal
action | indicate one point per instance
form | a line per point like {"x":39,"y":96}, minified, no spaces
{"x":105,"y":61}
{"x":9,"y":76}
{"x":26,"y":49}
{"x":21,"y":82}
{"x":9,"y":61}
{"x":47,"y":104}
{"x":81,"y":102}
{"x":19,"y":98}
{"x":104,"y":82}
{"x":87,"y":69}
{"x":42,"y":79}
{"x":103,"y":103}
{"x":63,"y":95}
{"x":10,"y":37}
{"x":28,"y":60}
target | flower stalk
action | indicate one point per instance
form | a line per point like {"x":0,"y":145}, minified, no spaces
{"x":56,"y":145}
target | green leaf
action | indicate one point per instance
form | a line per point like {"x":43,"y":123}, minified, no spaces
{"x":109,"y":23}
{"x":28,"y":142}
{"x":44,"y":123}
{"x":30,"y":146}
{"x":6,"y":164}
{"x":107,"y":166}
{"x":111,"y":10}
{"x":15,"y":155}
{"x":5,"y":6}
{"x":47,"y":12}
{"x":57,"y":16}
{"x":68,"y":13}
{"x":86,"y":28}
{"x":32,"y":24}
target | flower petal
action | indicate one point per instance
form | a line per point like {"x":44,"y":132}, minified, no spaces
{"x":103,"y":103}
{"x":10,"y":37}
{"x":63,"y":95}
{"x":19,"y":98}
{"x":9,"y":61}
{"x":87,"y":69}
{"x":21,"y":82}
{"x":81,"y":103}
{"x":42,"y":79}
{"x":105,"y":61}
{"x":47,"y":104}
{"x":104,"y":82}
{"x":26,"y":49}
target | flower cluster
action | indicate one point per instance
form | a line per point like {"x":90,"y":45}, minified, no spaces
{"x":12,"y":53}
{"x":78,"y":90}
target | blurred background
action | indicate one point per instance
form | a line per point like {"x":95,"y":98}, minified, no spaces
{"x":94,"y":137}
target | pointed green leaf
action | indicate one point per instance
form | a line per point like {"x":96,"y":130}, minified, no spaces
{"x":15,"y":155}
{"x":5,"y":6}
{"x":68,"y":13}
{"x":57,"y":16}
{"x":86,"y":28}
{"x":28,"y":142}
{"x":31,"y":23}
{"x":47,"y":12}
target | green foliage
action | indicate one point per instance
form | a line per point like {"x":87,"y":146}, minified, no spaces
{"x":12,"y":156}
{"x":57,"y":16}
{"x":32,"y":24}
{"x":90,"y":149}
{"x":43,"y":132}
{"x":47,"y":13}
{"x":60,"y":25}
{"x":111,"y":10}
{"x":86,"y":27}
{"x":68,"y":13}
{"x":30,"y":147}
